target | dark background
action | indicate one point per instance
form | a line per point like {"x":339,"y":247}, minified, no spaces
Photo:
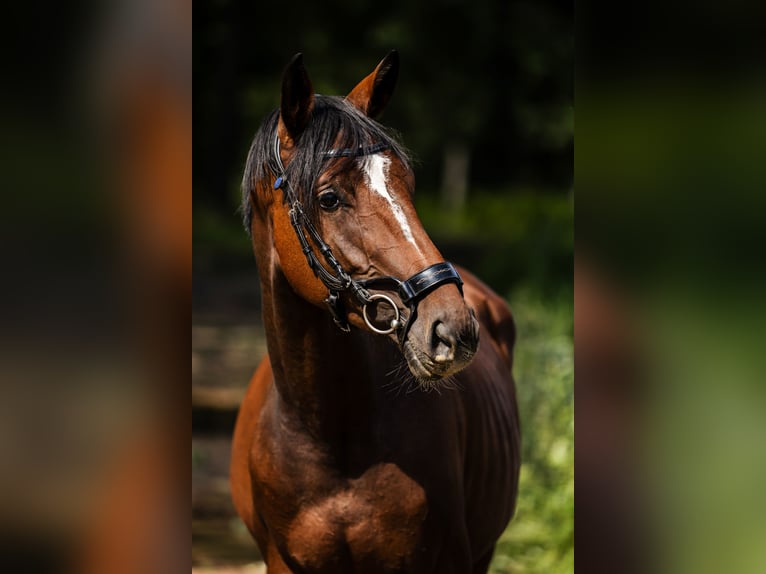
{"x":495,"y":76}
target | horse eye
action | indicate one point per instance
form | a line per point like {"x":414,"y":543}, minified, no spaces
{"x":329,"y":201}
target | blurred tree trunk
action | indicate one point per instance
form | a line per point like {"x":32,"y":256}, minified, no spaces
{"x":456,"y":167}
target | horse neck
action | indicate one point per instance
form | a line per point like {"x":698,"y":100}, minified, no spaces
{"x":326,"y":380}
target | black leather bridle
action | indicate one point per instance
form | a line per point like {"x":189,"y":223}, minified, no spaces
{"x":410,"y":291}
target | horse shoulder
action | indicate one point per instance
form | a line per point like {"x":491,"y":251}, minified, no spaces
{"x":370,"y":523}
{"x":321,"y":521}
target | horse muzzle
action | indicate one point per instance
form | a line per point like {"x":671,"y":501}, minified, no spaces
{"x":442,"y":343}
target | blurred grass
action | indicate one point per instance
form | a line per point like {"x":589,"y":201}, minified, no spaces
{"x":540,"y":539}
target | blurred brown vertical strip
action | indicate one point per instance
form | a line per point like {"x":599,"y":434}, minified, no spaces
{"x":610,"y":505}
{"x":140,"y":503}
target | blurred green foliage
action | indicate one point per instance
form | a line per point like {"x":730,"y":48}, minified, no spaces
{"x":673,"y":177}
{"x":540,"y":539}
{"x":520,"y":237}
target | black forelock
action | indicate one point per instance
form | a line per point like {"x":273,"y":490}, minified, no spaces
{"x":334,"y":124}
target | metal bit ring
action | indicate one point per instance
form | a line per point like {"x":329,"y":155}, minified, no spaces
{"x":394,"y":322}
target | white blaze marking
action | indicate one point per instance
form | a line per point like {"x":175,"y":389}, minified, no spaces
{"x":376,"y":171}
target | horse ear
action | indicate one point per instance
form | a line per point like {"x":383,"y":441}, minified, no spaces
{"x":297,"y":98}
{"x":371,"y":95}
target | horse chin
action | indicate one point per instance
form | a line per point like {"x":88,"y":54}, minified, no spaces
{"x":429,"y":373}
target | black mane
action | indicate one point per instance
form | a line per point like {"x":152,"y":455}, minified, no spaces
{"x":331,"y":117}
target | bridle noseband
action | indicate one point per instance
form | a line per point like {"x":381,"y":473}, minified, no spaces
{"x":411,"y":291}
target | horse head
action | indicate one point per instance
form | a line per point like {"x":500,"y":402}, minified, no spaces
{"x":330,"y":193}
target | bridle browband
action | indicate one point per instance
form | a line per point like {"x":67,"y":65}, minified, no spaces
{"x":410,"y":291}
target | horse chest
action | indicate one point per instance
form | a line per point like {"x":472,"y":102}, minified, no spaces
{"x":372,"y":523}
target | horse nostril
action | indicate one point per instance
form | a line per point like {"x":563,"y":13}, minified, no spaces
{"x":442,"y":343}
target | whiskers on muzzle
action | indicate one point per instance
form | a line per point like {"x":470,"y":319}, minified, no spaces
{"x":402,"y":380}
{"x":433,"y":374}
{"x":433,"y":354}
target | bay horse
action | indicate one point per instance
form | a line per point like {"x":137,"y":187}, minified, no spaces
{"x":337,"y":464}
